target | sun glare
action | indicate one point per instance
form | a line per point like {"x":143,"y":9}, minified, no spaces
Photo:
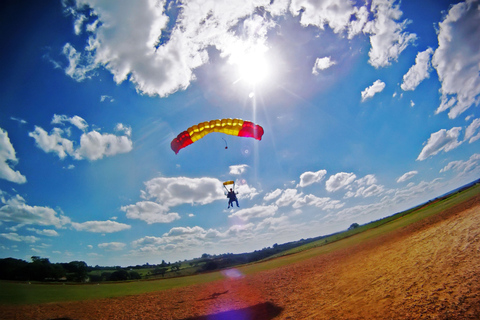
{"x":253,"y":68}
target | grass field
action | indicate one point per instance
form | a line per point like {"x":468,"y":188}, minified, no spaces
{"x":14,"y":293}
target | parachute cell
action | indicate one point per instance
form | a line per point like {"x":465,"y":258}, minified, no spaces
{"x":234,"y":127}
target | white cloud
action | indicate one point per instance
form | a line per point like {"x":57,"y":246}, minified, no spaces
{"x":77,"y":121}
{"x":171,"y":192}
{"x":333,"y":13}
{"x":180,"y":190}
{"x":44,"y":232}
{"x":325,"y":203}
{"x":80,"y":67}
{"x":457,"y":58}
{"x":365,"y":187}
{"x":21,"y":121}
{"x":369,"y":179}
{"x":136,"y":42}
{"x":407,"y":176}
{"x":16,"y":210}
{"x":180,"y":238}
{"x":463,"y":166}
{"x":387,"y":37}
{"x":106,"y":98}
{"x":93,"y":145}
{"x":322,"y":64}
{"x":309,"y":177}
{"x":288,"y":196}
{"x":255,"y":212}
{"x":272,"y":195}
{"x":339,"y":181}
{"x":7,"y":157}
{"x":238,"y":169}
{"x":375,"y":88}
{"x":53,"y":142}
{"x":365,"y":192}
{"x":470,"y":131}
{"x":440,"y":140}
{"x":120,"y":127}
{"x":100,"y":226}
{"x":150,"y":212}
{"x":246,"y":192}
{"x":18,"y":238}
{"x":418,"y":72}
{"x":112,"y":246}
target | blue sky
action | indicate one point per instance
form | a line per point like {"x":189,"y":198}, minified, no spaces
{"x":368,"y":108}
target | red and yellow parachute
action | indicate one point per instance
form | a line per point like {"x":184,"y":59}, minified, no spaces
{"x":234,"y":127}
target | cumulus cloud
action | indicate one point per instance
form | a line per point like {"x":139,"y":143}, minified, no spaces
{"x":369,"y":179}
{"x":93,"y":145}
{"x":418,"y":72}
{"x":16,"y":210}
{"x":255,"y":212}
{"x":150,"y":212}
{"x":182,"y":238}
{"x":7,"y":158}
{"x":457,"y":58}
{"x":288,"y":197}
{"x":162,"y":193}
{"x":44,"y":232}
{"x":375,"y":88}
{"x":272,"y":195}
{"x":77,"y":121}
{"x":366,"y":191}
{"x":388,"y":38}
{"x":407,"y":176}
{"x":100,"y":226}
{"x":309,"y":177}
{"x":324,"y":203}
{"x":180,"y":190}
{"x":445,"y":140}
{"x":158,"y":52}
{"x":238,"y":169}
{"x":322,"y":64}
{"x":470,"y":131}
{"x":463,"y":166}
{"x":339,"y":181}
{"x":112,"y":246}
{"x":18,"y":238}
{"x":365,"y":187}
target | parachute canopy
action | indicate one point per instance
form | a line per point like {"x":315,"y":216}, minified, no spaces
{"x":234,"y":127}
{"x":229,"y":184}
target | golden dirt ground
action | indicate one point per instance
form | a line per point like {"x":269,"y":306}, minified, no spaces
{"x":428,"y":270}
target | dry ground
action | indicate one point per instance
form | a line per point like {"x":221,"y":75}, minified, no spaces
{"x":429,"y":270}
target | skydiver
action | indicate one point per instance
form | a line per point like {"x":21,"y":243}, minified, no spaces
{"x":231,"y":198}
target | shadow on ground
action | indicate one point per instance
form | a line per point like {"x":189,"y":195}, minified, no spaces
{"x":261,"y":311}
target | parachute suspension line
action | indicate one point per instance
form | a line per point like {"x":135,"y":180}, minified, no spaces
{"x":226,"y":145}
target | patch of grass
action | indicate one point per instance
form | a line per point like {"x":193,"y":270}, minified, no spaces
{"x":14,"y":293}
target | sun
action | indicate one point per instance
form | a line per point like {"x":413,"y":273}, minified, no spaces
{"x":253,"y":67}
{"x":251,"y":62}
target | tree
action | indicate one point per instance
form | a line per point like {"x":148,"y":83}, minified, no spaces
{"x":119,"y":275}
{"x":76,"y":271}
{"x":353,"y":226}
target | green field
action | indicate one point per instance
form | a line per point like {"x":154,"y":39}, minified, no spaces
{"x":15,"y":293}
